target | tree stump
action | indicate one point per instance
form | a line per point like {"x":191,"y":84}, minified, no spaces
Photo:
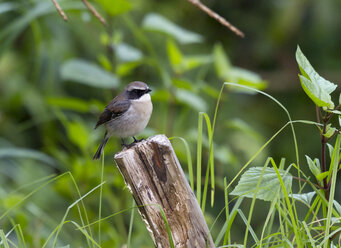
{"x":155,"y":178}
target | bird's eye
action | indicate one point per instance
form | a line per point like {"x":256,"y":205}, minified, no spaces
{"x":138,"y":91}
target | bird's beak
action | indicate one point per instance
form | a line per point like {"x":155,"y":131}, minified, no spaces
{"x":148,"y":90}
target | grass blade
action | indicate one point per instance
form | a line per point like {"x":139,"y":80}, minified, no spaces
{"x":333,"y":168}
{"x":199,"y":151}
{"x":189,"y":160}
{"x":131,"y":224}
{"x":171,"y":243}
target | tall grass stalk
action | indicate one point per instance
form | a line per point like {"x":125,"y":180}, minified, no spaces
{"x":292,"y":214}
{"x":227,"y":237}
{"x":59,"y":227}
{"x":131,"y":222}
{"x":189,"y":160}
{"x":4,"y":240}
{"x":254,"y":201}
{"x":332,"y":176}
{"x":100,"y":199}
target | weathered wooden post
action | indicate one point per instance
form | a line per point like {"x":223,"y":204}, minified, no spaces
{"x":154,"y":176}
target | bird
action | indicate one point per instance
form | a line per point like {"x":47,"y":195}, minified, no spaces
{"x":126,"y":115}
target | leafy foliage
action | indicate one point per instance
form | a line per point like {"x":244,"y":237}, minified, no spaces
{"x":315,"y":86}
{"x":262,"y":183}
{"x":56,"y":77}
{"x":158,"y":23}
{"x":86,"y":73}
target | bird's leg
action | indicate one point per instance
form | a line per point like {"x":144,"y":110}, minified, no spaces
{"x":136,"y":140}
{"x":129,"y":145}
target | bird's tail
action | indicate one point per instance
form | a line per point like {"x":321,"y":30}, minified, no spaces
{"x":101,"y":147}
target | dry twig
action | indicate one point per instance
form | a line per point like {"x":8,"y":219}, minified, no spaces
{"x":214,"y":15}
{"x":88,"y":5}
{"x":59,"y":9}
{"x":94,"y":12}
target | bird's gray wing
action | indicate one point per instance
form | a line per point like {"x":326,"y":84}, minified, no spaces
{"x":113,"y":110}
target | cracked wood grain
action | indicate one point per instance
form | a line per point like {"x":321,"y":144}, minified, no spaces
{"x":155,"y":178}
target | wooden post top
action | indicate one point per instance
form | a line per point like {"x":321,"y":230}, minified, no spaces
{"x":155,"y":178}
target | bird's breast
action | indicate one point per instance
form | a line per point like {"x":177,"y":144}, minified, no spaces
{"x":134,"y":120}
{"x":143,"y":106}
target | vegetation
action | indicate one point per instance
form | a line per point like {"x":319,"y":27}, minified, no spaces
{"x":255,"y":191}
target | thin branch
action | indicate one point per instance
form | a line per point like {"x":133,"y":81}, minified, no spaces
{"x":323,"y":156}
{"x":214,"y":15}
{"x":60,"y":10}
{"x":306,"y":181}
{"x":94,"y":12}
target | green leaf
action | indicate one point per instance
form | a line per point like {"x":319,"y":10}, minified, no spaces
{"x":224,"y":155}
{"x":161,"y":95}
{"x":191,"y":99}
{"x":320,"y":98}
{"x":156,"y":22}
{"x":8,"y":6}
{"x":312,"y":166}
{"x":181,"y":63}
{"x":322,"y":175}
{"x":317,"y":163}
{"x":78,"y":134}
{"x":105,"y":62}
{"x":127,"y":53}
{"x":11,"y":200}
{"x":329,"y":131}
{"x":174,"y":54}
{"x":337,"y":207}
{"x":115,"y":7}
{"x":315,"y":86}
{"x":330,"y":149}
{"x":125,"y":69}
{"x":191,"y":62}
{"x":15,"y":152}
{"x":210,"y":90}
{"x":221,"y":62}
{"x":70,"y":103}
{"x":182,"y":83}
{"x":84,"y":72}
{"x":245,"y":77}
{"x":9,"y":32}
{"x":269,"y":187}
{"x":305,"y":197}
{"x":338,"y":112}
{"x":244,"y":127}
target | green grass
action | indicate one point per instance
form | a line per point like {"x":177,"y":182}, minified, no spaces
{"x":289,"y":220}
{"x":283,"y":225}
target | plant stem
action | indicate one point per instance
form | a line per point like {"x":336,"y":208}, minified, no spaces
{"x":324,"y":166}
{"x":306,"y":181}
{"x":318,"y":114}
{"x":323,"y":158}
{"x":323,"y":152}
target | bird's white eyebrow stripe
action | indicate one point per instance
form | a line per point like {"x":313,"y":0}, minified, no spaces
{"x":138,"y":88}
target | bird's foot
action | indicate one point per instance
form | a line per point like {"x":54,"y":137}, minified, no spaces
{"x":123,"y":143}
{"x":129,"y":145}
{"x":136,"y":140}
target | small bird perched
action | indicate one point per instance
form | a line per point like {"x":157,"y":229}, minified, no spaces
{"x":126,"y":115}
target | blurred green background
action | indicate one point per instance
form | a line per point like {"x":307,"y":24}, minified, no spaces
{"x":56,"y":77}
